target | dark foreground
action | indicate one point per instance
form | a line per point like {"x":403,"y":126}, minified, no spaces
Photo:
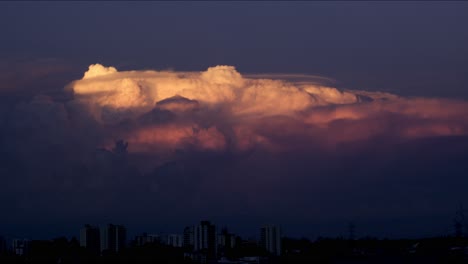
{"x":367,"y":250}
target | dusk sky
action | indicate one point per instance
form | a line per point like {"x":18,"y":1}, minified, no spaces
{"x":309,"y":115}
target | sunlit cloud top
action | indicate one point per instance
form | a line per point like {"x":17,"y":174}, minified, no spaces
{"x":141,"y":90}
{"x":219,"y":109}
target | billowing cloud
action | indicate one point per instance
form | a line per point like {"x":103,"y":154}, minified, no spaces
{"x":221,"y":110}
{"x":220,"y":85}
{"x":282,"y":147}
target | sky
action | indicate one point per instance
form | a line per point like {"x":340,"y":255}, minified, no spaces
{"x":309,"y":115}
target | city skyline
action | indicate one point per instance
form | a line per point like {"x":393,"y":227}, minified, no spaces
{"x":313,"y":116}
{"x":210,"y":243}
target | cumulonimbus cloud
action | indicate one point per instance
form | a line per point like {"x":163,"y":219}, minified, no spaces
{"x":141,"y":90}
{"x":220,"y":139}
{"x":219,"y":109}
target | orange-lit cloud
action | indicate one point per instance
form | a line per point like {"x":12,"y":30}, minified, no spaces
{"x":219,"y":109}
{"x":140,"y":91}
{"x":227,"y":140}
{"x":175,"y":136}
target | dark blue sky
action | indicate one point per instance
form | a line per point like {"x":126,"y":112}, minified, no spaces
{"x":416,"y":48}
{"x":51,"y":171}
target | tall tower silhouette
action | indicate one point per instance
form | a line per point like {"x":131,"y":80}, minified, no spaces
{"x":351,"y":231}
{"x":459,"y":222}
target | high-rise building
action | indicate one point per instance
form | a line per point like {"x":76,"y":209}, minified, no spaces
{"x":188,"y":238}
{"x":270,"y":239}
{"x":205,"y":239}
{"x":107,"y":234}
{"x":113,"y":237}
{"x":21,"y":246}
{"x":90,"y":238}
{"x":3,"y":247}
{"x":121,"y":237}
{"x":145,"y":238}
{"x":226,"y":242}
{"x":174,"y":240}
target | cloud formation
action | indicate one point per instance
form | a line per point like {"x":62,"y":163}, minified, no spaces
{"x":282,"y":147}
{"x":219,"y":109}
{"x":219,"y":85}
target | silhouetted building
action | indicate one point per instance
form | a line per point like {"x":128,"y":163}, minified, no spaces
{"x":205,"y":240}
{"x":21,"y":247}
{"x":188,"y":238}
{"x":351,"y":231}
{"x":174,"y":240}
{"x":113,"y":238}
{"x":226,"y":243}
{"x":3,"y":247}
{"x":144,"y":239}
{"x":90,"y":238}
{"x":460,"y":222}
{"x":121,"y":237}
{"x":270,"y":239}
{"x":226,"y":239}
